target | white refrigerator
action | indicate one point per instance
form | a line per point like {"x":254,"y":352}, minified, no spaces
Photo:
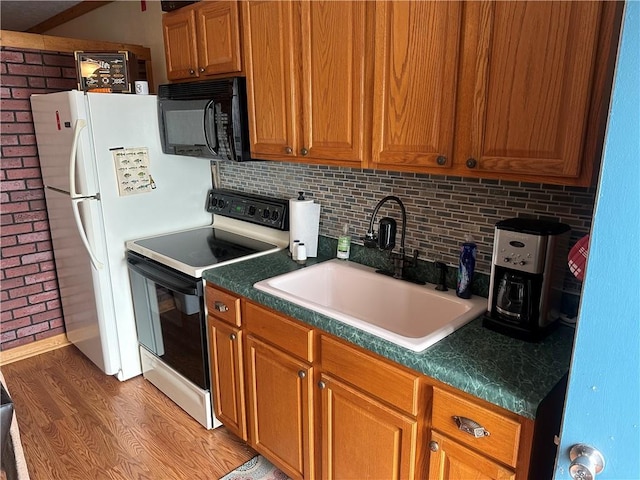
{"x":95,"y":204}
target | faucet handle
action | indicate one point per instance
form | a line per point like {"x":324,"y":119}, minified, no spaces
{"x":442,"y":277}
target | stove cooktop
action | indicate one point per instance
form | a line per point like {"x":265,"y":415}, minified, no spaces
{"x":204,"y":247}
{"x":244,"y":226}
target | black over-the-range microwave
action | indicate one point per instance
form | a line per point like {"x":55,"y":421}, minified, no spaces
{"x":205,"y":119}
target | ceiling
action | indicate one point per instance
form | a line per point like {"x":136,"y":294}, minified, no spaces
{"x":20,"y":16}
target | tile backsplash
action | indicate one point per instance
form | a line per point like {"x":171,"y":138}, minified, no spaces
{"x":441,"y":210}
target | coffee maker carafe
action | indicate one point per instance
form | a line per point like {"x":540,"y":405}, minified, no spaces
{"x":527,"y":271}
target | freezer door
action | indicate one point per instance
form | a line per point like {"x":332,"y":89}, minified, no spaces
{"x":64,"y":142}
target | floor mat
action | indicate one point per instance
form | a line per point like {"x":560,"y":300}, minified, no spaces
{"x":258,"y":468}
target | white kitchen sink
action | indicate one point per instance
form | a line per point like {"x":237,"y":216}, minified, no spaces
{"x":412,"y":316}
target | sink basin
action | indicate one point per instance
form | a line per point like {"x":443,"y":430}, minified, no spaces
{"x":409,"y":315}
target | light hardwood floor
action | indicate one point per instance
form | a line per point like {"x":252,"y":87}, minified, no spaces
{"x":78,"y":423}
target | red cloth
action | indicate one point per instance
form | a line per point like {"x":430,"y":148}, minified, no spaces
{"x":578,"y":257}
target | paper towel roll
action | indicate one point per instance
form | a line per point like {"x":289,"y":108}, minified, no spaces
{"x":304,"y":222}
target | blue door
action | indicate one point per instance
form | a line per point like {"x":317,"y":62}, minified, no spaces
{"x":602,"y":408}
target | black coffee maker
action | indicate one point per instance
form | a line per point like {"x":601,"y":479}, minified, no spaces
{"x":527,"y":270}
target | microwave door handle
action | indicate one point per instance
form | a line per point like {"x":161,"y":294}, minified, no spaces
{"x":212,"y":147}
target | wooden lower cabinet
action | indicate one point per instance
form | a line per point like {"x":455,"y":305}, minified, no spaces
{"x":451,"y":461}
{"x":362,"y":437}
{"x":225,"y":348}
{"x":320,"y":407}
{"x":280,"y":407}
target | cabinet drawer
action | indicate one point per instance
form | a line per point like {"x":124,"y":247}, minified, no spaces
{"x":504,"y":433}
{"x":391,"y":384}
{"x":223,"y":305}
{"x":291,"y":336}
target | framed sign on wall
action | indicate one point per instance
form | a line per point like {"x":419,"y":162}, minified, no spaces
{"x":104,"y":71}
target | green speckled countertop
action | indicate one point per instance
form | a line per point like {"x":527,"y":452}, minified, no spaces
{"x":510,"y":373}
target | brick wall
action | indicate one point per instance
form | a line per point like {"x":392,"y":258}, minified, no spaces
{"x":30,"y":301}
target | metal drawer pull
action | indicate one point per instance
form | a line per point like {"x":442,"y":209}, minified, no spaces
{"x":469,"y":426}
{"x":221,"y":307}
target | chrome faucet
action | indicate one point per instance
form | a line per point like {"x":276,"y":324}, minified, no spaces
{"x":385,"y":239}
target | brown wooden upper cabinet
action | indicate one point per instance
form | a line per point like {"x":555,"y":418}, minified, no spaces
{"x":305,"y":67}
{"x":201,"y":40}
{"x":532,"y":86}
{"x":507,"y":90}
{"x":416,"y":68}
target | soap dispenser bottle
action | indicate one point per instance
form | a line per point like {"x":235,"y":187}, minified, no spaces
{"x":467,"y":265}
{"x":344,"y":244}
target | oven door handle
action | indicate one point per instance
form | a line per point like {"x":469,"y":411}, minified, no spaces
{"x":164,"y":279}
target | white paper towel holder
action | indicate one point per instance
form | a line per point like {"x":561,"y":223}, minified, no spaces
{"x":304,"y":217}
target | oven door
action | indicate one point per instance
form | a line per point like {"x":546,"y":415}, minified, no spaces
{"x":170,"y":319}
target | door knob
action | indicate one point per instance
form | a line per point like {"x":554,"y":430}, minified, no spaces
{"x":586,"y":462}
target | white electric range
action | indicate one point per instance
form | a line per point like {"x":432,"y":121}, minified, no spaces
{"x":168,"y":292}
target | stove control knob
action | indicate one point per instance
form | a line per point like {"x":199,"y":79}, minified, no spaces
{"x":220,"y":203}
{"x":266,"y":213}
{"x":507,"y":259}
{"x":522,"y":262}
{"x":275,"y":215}
{"x":252,"y":210}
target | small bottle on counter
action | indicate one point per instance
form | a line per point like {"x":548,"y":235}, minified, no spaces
{"x":294,"y":249}
{"x":466,"y":267}
{"x":301,"y":253}
{"x":344,"y":244}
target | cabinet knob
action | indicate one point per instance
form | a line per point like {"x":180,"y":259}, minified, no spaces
{"x":221,"y":307}
{"x":441,"y":160}
{"x":433,"y":446}
{"x":302,"y":374}
{"x":304,"y":151}
{"x":322,"y":385}
{"x":201,"y":70}
{"x":232,"y":336}
{"x":288,"y":150}
{"x":472,"y":163}
{"x":192,"y":71}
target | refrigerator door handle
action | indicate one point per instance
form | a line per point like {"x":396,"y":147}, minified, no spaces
{"x":73,"y":158}
{"x":75,"y":202}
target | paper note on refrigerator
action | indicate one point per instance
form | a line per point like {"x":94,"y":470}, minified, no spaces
{"x":132,"y":170}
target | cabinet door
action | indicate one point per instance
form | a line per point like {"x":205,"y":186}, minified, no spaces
{"x":451,"y":461}
{"x":280,"y":407}
{"x":218,"y":37}
{"x":416,"y":59}
{"x":271,"y":49}
{"x":333,"y":62}
{"x":180,"y":48}
{"x":225,"y":359}
{"x":362,"y":437}
{"x":533,"y":86}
